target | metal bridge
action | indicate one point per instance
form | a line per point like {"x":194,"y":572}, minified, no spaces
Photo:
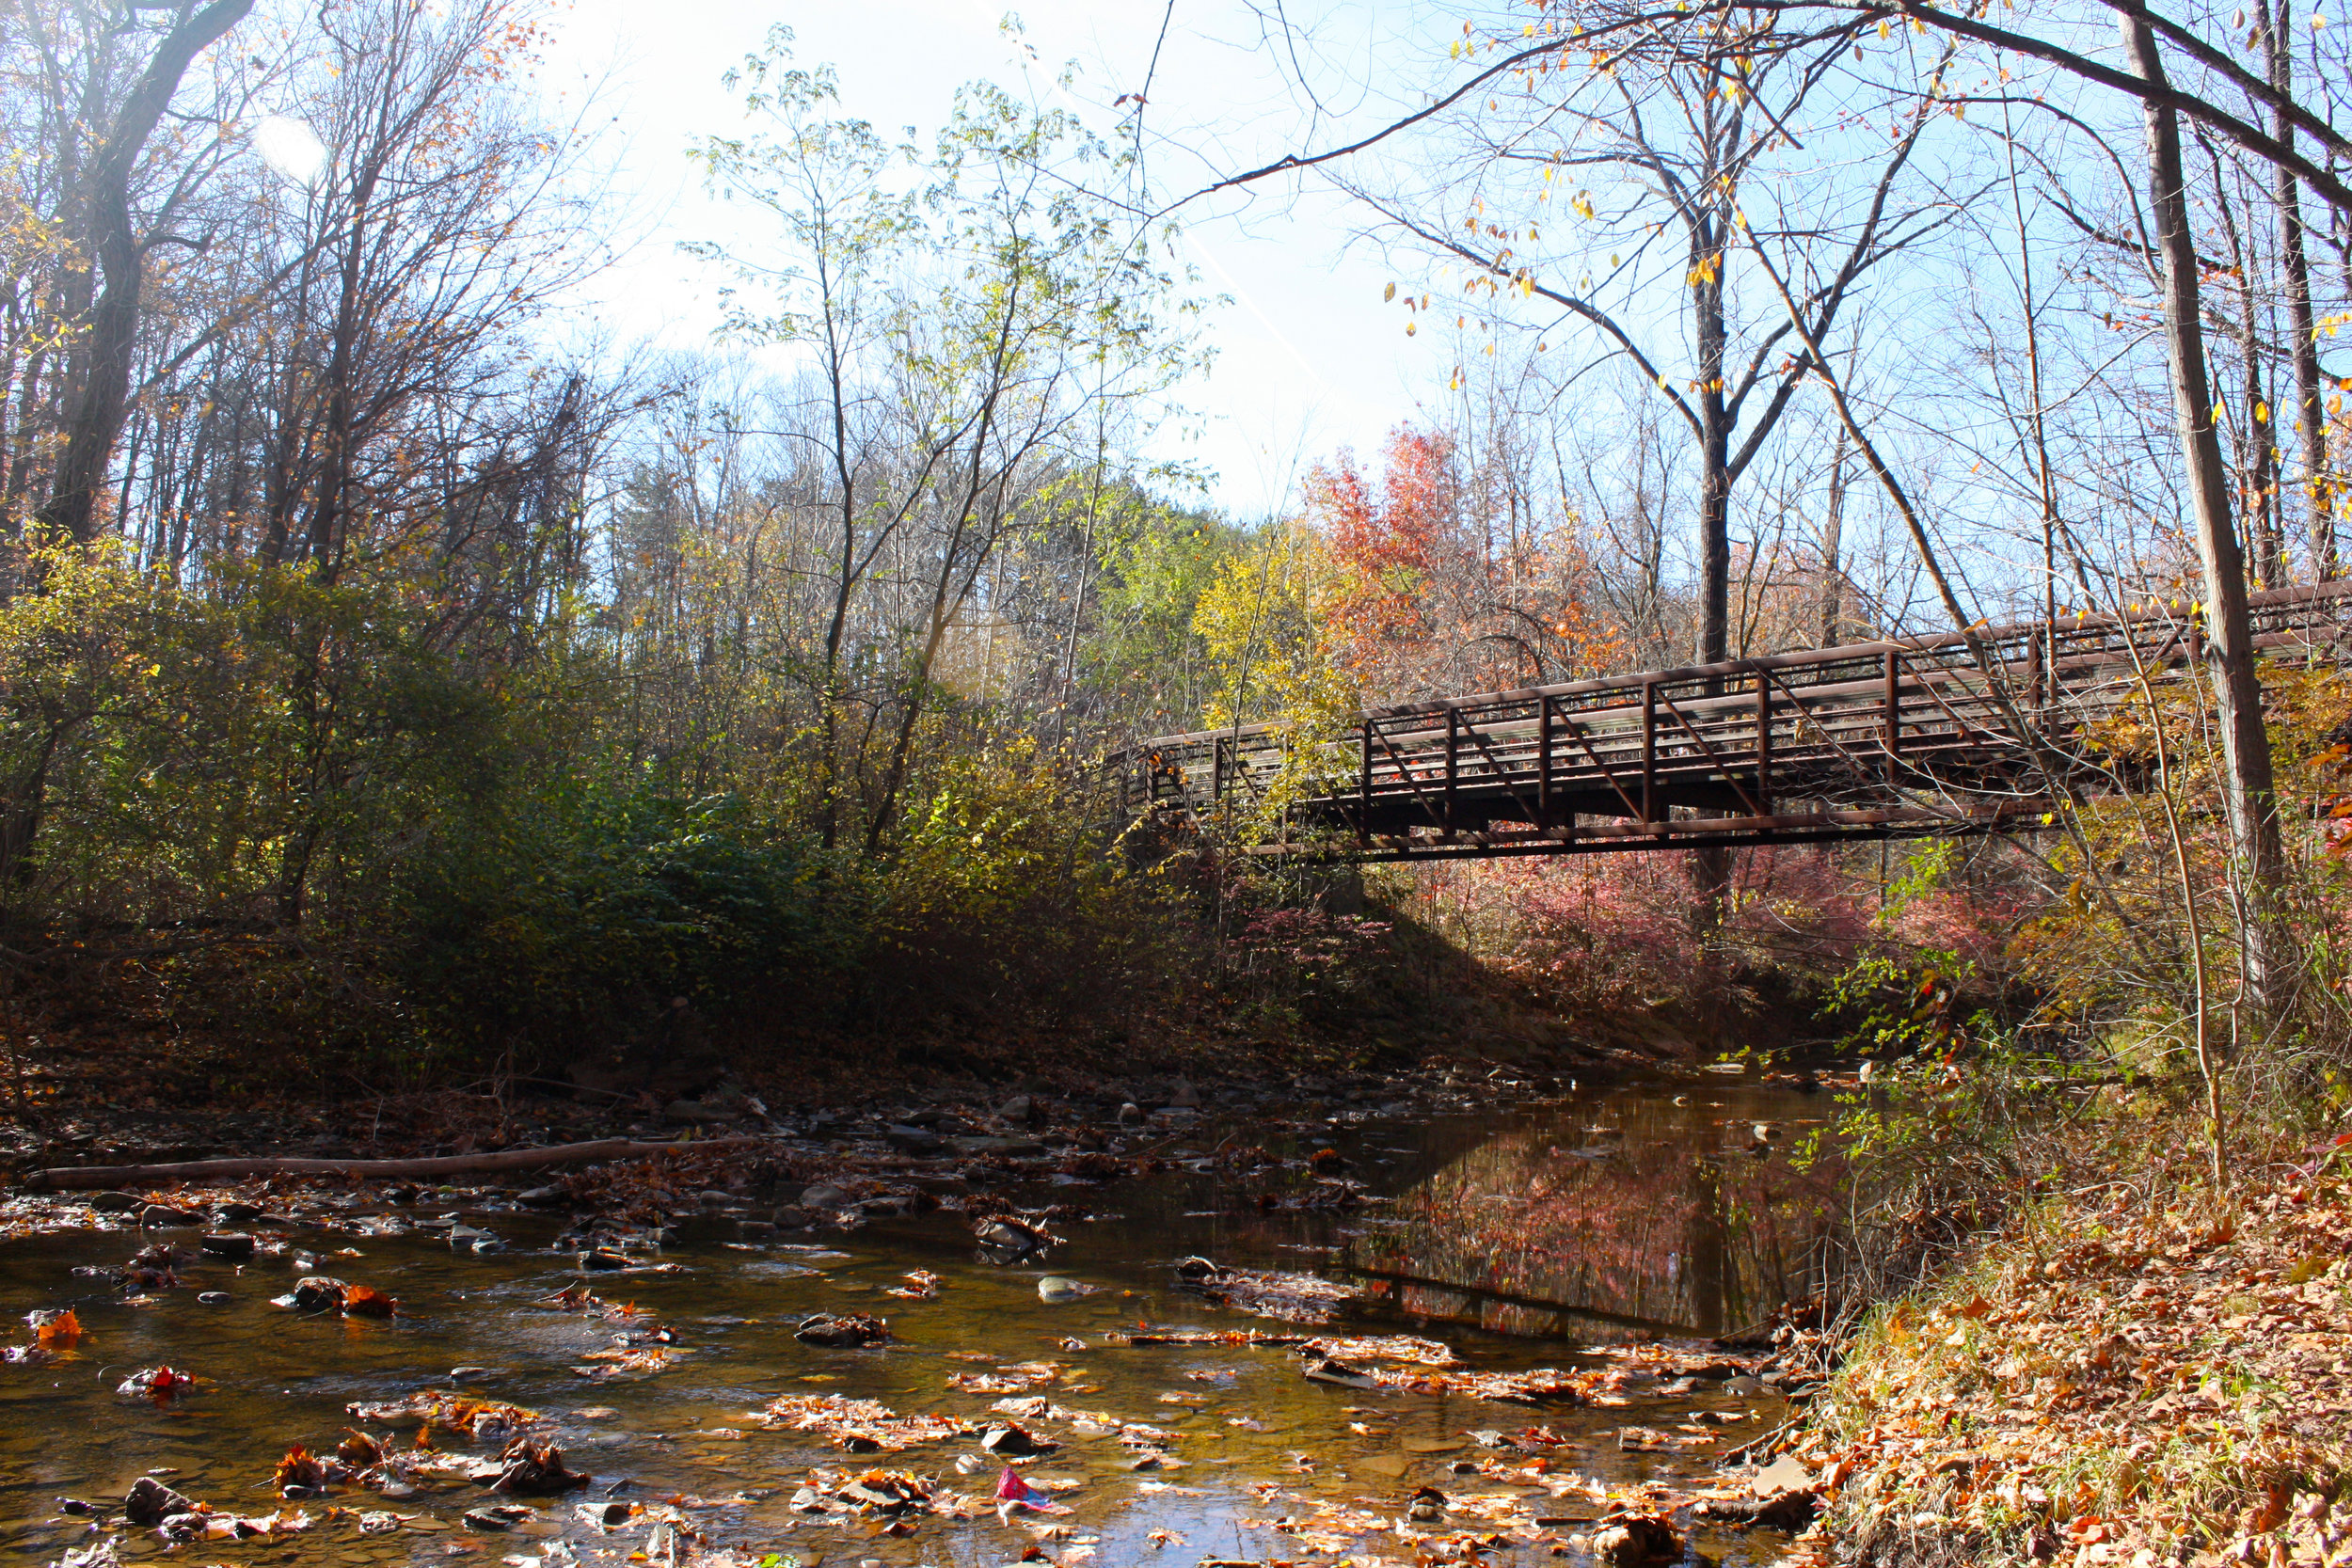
{"x":1913,"y":735}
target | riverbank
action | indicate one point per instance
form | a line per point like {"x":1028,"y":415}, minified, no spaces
{"x":2134,"y":1370}
{"x":107,"y":1095}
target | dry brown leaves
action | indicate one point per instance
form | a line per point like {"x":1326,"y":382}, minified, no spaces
{"x":860,"y":1426}
{"x":1388,"y":1347}
{"x":2153,"y":1383}
{"x":484,"y":1420}
{"x":1299,"y":1298}
{"x":1539,"y":1385}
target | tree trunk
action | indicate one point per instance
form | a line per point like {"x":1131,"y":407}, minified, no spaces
{"x":2311,"y":418}
{"x":1710,"y":866}
{"x":2258,"y":859}
{"x":114,"y":321}
{"x":1832,"y":542}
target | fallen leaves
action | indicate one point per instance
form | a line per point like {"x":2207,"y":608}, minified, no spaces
{"x":301,"y":1470}
{"x":319,"y":1293}
{"x":921,"y":1285}
{"x":1302,"y":1298}
{"x":484,"y":1420}
{"x":54,"y":1330}
{"x":860,"y":1426}
{"x":2155,"y":1381}
{"x":161,"y":1384}
{"x":535,"y":1468}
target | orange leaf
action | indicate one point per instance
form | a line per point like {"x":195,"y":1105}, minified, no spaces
{"x":366,"y":1301}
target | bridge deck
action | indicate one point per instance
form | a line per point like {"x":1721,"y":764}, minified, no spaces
{"x":1866,"y":740}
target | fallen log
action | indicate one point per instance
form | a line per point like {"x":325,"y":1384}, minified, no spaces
{"x":59,"y":1177}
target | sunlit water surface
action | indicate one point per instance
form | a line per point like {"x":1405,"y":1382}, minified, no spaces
{"x":1517,"y":1235}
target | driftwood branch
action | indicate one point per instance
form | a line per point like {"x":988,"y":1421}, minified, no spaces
{"x":84,"y":1176}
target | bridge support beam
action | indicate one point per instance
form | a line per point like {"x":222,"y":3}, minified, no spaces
{"x":1649,"y":753}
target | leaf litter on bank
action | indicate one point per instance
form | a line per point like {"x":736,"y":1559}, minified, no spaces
{"x":2161,"y":1382}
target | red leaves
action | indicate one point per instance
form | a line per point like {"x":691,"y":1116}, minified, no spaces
{"x":160,"y":1384}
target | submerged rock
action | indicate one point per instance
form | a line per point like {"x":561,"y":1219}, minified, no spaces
{"x":149,"y":1502}
{"x":842,"y":1330}
{"x":1325,"y":1369}
{"x":1010,"y":1440}
{"x":1633,"y":1540}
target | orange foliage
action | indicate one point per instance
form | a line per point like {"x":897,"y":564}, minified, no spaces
{"x":299,"y":1469}
{"x":366,"y":1301}
{"x":59,"y":1331}
{"x":1447,"y":582}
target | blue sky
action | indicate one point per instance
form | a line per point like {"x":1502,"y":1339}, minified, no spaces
{"x":1307,"y":359}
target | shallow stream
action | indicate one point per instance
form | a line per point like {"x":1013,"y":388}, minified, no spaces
{"x":1527,"y":1236}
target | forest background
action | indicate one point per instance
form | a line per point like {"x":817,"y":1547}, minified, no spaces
{"x":395,"y":683}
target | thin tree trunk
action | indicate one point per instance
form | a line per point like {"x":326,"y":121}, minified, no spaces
{"x":1711,"y":865}
{"x":2258,"y":859}
{"x":1833,"y":543}
{"x":2311,"y":418}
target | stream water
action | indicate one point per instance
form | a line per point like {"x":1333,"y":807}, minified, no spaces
{"x":1521,"y":1236}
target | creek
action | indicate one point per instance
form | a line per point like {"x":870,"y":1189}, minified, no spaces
{"x":1543,"y":1233}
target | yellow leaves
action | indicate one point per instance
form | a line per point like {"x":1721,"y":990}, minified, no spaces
{"x":1708,"y":271}
{"x":1582,"y":203}
{"x":1260,"y":621}
{"x":1883,"y":32}
{"x":2262,"y":412}
{"x":1387,"y":293}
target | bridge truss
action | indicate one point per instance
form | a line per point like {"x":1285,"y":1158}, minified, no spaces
{"x":1909,"y":736}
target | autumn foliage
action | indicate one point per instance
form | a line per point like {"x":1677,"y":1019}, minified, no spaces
{"x":1446,"y":581}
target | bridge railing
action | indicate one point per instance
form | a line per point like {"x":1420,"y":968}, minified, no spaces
{"x":1838,"y":727}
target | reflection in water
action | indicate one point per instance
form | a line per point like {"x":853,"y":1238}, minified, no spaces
{"x":1517,"y":1223}
{"x":1657,"y":1216}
